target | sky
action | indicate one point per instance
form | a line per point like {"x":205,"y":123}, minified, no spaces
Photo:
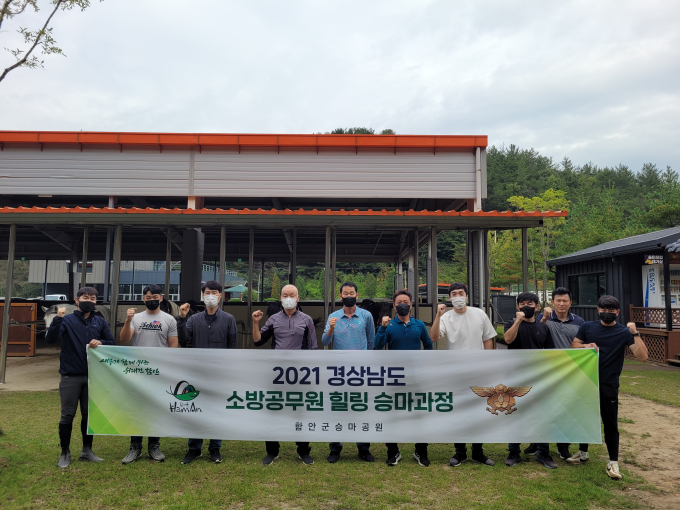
{"x":596,"y":81}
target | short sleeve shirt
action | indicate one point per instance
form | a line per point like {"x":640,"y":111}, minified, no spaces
{"x":531,"y":335}
{"x":611,"y":342}
{"x":153,"y":330}
{"x":466,"y":331}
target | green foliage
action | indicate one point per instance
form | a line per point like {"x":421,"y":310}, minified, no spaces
{"x":370,"y":286}
{"x":276,"y":287}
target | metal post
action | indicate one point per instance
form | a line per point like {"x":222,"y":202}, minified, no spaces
{"x":107,"y":264}
{"x":525,"y":259}
{"x":45,"y":284}
{"x":400,"y":276}
{"x":416,"y":278}
{"x":667,"y":289}
{"x":326,"y":275}
{"x":487,"y":276}
{"x":223,"y":259}
{"x":251,"y":263}
{"x":293,"y":258}
{"x":480,"y":268}
{"x":115,"y":280}
{"x":168,"y":262}
{"x":334,"y":250}
{"x":83,"y":273}
{"x":73,"y":271}
{"x":8,"y":301}
{"x":434,"y":291}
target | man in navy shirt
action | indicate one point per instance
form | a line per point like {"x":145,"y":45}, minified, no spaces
{"x":75,"y":332}
{"x":610,"y":339}
{"x":403,"y":333}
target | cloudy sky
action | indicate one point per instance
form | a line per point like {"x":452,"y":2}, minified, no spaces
{"x":596,"y":81}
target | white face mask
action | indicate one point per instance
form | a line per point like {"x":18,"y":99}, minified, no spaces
{"x":211,"y":301}
{"x":289,"y":303}
{"x":458,"y":302}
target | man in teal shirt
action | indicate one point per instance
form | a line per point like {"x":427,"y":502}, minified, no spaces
{"x":403,"y":333}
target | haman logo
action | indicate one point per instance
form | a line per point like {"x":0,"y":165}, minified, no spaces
{"x":184,"y":391}
{"x":501,"y":398}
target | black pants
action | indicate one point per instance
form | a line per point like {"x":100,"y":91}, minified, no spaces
{"x":138,"y":440}
{"x":609,"y":411}
{"x":73,"y":389}
{"x":273,"y":448}
{"x":393,"y":449}
{"x":337,"y":447}
{"x":461,"y":448}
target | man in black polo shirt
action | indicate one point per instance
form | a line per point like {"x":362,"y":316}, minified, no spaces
{"x":610,"y":339}
{"x":524,"y":332}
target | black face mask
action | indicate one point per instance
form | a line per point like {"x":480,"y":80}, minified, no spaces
{"x":403,"y":309}
{"x":528,"y":311}
{"x":152,"y":304}
{"x":86,"y":306}
{"x":349,"y":302}
{"x":607,"y":317}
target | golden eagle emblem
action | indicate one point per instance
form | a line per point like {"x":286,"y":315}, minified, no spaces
{"x":501,"y":398}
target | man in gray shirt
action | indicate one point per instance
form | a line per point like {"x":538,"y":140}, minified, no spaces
{"x":288,"y":329}
{"x":151,"y":328}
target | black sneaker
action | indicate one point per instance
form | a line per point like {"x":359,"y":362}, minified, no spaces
{"x":564,"y":453}
{"x":513,"y":459}
{"x":421,"y":459}
{"x":306,"y":458}
{"x":482,"y":459}
{"x":215,"y":456}
{"x":333,"y":457}
{"x":269,"y":459}
{"x":457,"y":460}
{"x":393,"y":460}
{"x":546,"y":460}
{"x":191,"y":456}
{"x":531,"y":449}
{"x":366,"y":456}
{"x":132,"y":455}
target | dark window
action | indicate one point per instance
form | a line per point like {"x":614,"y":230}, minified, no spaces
{"x":587,"y":288}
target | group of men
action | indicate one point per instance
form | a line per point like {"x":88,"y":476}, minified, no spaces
{"x":349,"y":328}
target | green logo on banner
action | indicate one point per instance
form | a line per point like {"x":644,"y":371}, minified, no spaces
{"x":184,"y":391}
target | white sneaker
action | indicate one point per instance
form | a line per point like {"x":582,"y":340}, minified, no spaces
{"x":578,"y":457}
{"x":613,"y":470}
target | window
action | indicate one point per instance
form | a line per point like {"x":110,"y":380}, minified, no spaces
{"x":587,"y":288}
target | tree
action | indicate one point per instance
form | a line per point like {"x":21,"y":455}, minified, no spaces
{"x":276,"y":286}
{"x":40,"y":39}
{"x":370,"y":286}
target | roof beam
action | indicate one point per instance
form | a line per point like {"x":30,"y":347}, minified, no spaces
{"x":289,"y":237}
{"x":59,"y":236}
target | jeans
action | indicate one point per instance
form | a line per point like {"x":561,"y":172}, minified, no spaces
{"x":273,"y":448}
{"x":393,"y":449}
{"x":197,"y":444}
{"x":73,"y":389}
{"x":609,"y":410}
{"x":543,"y":448}
{"x":337,"y":447}
{"x":153,"y":441}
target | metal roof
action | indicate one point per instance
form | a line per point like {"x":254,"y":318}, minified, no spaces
{"x":644,"y":242}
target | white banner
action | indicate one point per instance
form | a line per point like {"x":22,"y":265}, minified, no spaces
{"x":365,"y":396}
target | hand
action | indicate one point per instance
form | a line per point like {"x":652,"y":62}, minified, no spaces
{"x":331,"y":324}
{"x":385,"y":321}
{"x":184,"y":310}
{"x":547,"y":312}
{"x":631,"y":327}
{"x":591,"y":346}
{"x":94,"y":343}
{"x":441,"y":308}
{"x":257,"y":315}
{"x":130,"y":314}
{"x":519,"y":316}
{"x":61,"y":312}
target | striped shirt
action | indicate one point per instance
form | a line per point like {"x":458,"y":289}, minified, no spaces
{"x":355,"y":333}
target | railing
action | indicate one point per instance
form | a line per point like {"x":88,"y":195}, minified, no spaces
{"x":643,"y":315}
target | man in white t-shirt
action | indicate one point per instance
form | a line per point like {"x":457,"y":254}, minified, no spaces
{"x":150,"y":328}
{"x":464,"y":328}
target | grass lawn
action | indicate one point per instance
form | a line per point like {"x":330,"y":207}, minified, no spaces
{"x":661,"y":387}
{"x":29,"y":477}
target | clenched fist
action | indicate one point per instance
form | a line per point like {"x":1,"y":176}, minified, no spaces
{"x":184,"y":310}
{"x":61,"y":312}
{"x":520,"y":316}
{"x":631,"y":327}
{"x":547,"y":312}
{"x":257,"y":315}
{"x":331,"y":323}
{"x":441,"y":309}
{"x":130,"y":313}
{"x":386,"y":320}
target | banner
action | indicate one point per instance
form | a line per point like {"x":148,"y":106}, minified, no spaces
{"x":493,"y":396}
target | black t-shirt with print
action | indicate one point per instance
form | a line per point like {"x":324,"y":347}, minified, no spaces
{"x":531,"y":335}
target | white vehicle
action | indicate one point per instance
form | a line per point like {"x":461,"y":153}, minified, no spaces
{"x":56,"y":297}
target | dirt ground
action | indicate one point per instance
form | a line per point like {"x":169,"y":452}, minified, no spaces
{"x":39,"y":373}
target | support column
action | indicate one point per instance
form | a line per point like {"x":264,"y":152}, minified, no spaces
{"x":334,"y":249}
{"x":487,"y":277}
{"x":4,"y":340}
{"x":525,"y":259}
{"x":115,"y":277}
{"x":293,"y":257}
{"x":107,"y":257}
{"x":73,"y":271}
{"x":251,"y":263}
{"x":409,"y":274}
{"x":480,"y":269}
{"x":83,"y":273}
{"x":223,"y":259}
{"x":192,"y":265}
{"x":667,"y":292}
{"x":326,"y":276}
{"x":168,"y":262}
{"x":400,"y":276}
{"x":416,"y":279}
{"x":434,"y":269}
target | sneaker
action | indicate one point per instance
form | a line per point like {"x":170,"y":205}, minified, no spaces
{"x":393,"y":460}
{"x":191,"y":456}
{"x":483,"y":459}
{"x":366,"y":456}
{"x":421,"y":459}
{"x":132,"y":455}
{"x":64,"y":459}
{"x":88,"y":455}
{"x":531,"y":449}
{"x":269,"y":459}
{"x":333,"y":457}
{"x":457,"y":460}
{"x":564,"y":454}
{"x":578,"y":457}
{"x":546,"y":460}
{"x":513,"y":459}
{"x":613,"y":470}
{"x":156,"y":454}
{"x":215,"y":456}
{"x":306,"y":458}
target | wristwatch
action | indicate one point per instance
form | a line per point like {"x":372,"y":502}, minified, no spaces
{"x":637,"y":333}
